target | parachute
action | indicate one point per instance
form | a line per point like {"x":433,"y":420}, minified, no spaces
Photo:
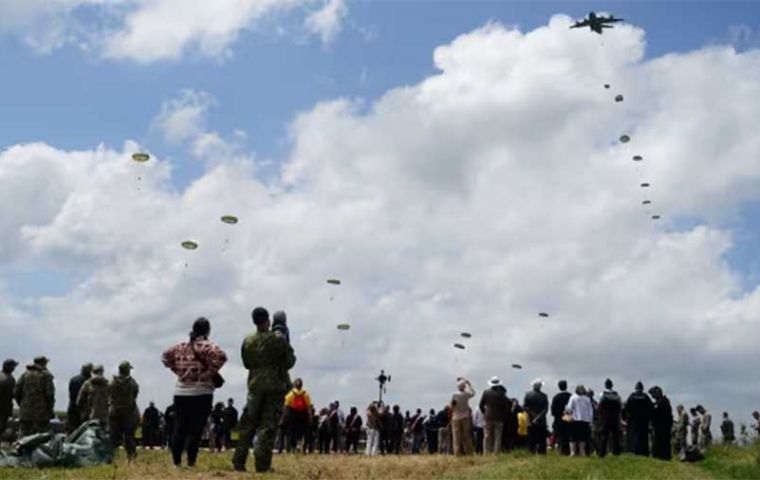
{"x":459,"y":346}
{"x":646,"y":202}
{"x":230,"y":219}
{"x":637,"y":158}
{"x":140,"y":157}
{"x":625,"y":139}
{"x":644,"y":185}
{"x":344,"y":326}
{"x":655,"y":217}
{"x":517,"y":366}
{"x":543,"y":314}
{"x":189,"y":245}
{"x":606,"y":85}
{"x":333,"y":281}
{"x":618,"y":98}
{"x":466,"y":335}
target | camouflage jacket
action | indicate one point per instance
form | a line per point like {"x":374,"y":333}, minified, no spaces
{"x":268,"y":357}
{"x":93,"y":399}
{"x":35,"y":394}
{"x":123,"y":392}
{"x":7,"y":384}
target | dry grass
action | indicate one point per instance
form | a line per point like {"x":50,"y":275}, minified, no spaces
{"x":723,"y":462}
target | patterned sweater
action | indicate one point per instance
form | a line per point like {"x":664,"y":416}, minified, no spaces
{"x":192,"y":377}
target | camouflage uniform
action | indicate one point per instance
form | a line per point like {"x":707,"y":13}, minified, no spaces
{"x":7,"y":384}
{"x":122,"y":392}
{"x":268,"y":357}
{"x":35,"y":395}
{"x":93,"y":397}
{"x":681,"y":431}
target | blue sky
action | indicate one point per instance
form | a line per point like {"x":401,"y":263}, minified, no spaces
{"x":370,"y":196}
{"x":73,"y":100}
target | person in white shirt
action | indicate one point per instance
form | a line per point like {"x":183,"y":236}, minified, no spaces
{"x":461,"y":420}
{"x":582,"y":411}
{"x":478,"y":424}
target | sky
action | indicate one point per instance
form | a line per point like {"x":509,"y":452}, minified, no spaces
{"x":455,"y":164}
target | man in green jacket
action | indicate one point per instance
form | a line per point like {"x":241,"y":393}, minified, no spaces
{"x":268,"y":357}
{"x":35,"y":395}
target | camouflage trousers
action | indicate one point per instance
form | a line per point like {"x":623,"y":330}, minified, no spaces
{"x":260,"y":419}
{"x":26,"y":428}
{"x":122,"y":431}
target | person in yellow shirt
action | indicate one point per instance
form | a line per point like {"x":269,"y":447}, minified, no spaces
{"x":297,"y":414}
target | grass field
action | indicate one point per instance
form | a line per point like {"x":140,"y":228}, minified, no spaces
{"x":722,"y":463}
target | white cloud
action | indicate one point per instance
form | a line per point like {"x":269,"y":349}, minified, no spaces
{"x":469,"y":201}
{"x":149,"y":31}
{"x":327,"y":21}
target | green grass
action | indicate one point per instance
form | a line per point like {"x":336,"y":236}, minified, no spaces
{"x":722,"y":463}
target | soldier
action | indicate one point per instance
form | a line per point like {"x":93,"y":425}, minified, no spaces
{"x":7,"y":384}
{"x":696,"y":421}
{"x":662,"y":424}
{"x":705,"y":434}
{"x":92,"y":400}
{"x":35,"y":395}
{"x":122,"y":393}
{"x":682,"y":429}
{"x":727,"y":430}
{"x":268,"y":358}
{"x":74,"y":416}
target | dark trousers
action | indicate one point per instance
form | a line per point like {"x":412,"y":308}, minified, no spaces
{"x":324,"y":441}
{"x":562,"y":436}
{"x":282,"y":438}
{"x":537,"y":439}
{"x":297,"y":426}
{"x":432,"y":440}
{"x":149,"y":435}
{"x":352,"y":442}
{"x":192,"y":413}
{"x":122,"y":432}
{"x":384,"y":442}
{"x":395,"y":446}
{"x":609,"y":434}
{"x":478,"y":432}
{"x":661,"y":445}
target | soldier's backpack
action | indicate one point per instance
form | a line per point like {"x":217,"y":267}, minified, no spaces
{"x":691,"y":454}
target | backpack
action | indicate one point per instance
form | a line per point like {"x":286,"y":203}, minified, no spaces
{"x":298,"y":403}
{"x":691,"y":454}
{"x":522,"y":424}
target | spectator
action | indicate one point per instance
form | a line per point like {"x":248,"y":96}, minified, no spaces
{"x":397,"y":430}
{"x":444,"y":430}
{"x":662,"y":424}
{"x":150,"y":424}
{"x":324,"y":430}
{"x":461,"y":421}
{"x":431,"y":432}
{"x":727,"y":430}
{"x":216,"y":433}
{"x":353,"y":431}
{"x":638,"y":414}
{"x":582,"y":413}
{"x":610,"y":408}
{"x":298,"y":408}
{"x":373,"y":430}
{"x":478,"y":425}
{"x":196,"y":363}
{"x":230,"y":420}
{"x":417,"y":429}
{"x":536,"y":404}
{"x":560,"y":428}
{"x":496,"y":407}
{"x":705,"y":434}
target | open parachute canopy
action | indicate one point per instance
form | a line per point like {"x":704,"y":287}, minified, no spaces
{"x":543,"y":314}
{"x":655,"y":217}
{"x":606,"y":85}
{"x":344,"y":326}
{"x":624,"y":138}
{"x":459,"y":346}
{"x":644,"y":185}
{"x":230,"y":219}
{"x":333,"y":281}
{"x":517,"y":366}
{"x":618,"y":98}
{"x":189,"y":245}
{"x":140,"y":157}
{"x":637,"y":158}
{"x":466,"y":335}
{"x":646,"y":202}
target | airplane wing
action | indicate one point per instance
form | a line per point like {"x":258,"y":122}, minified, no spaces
{"x":584,"y":23}
{"x":610,"y":19}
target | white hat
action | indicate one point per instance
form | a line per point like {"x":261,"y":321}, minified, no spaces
{"x":494,"y":381}
{"x":537,"y":382}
